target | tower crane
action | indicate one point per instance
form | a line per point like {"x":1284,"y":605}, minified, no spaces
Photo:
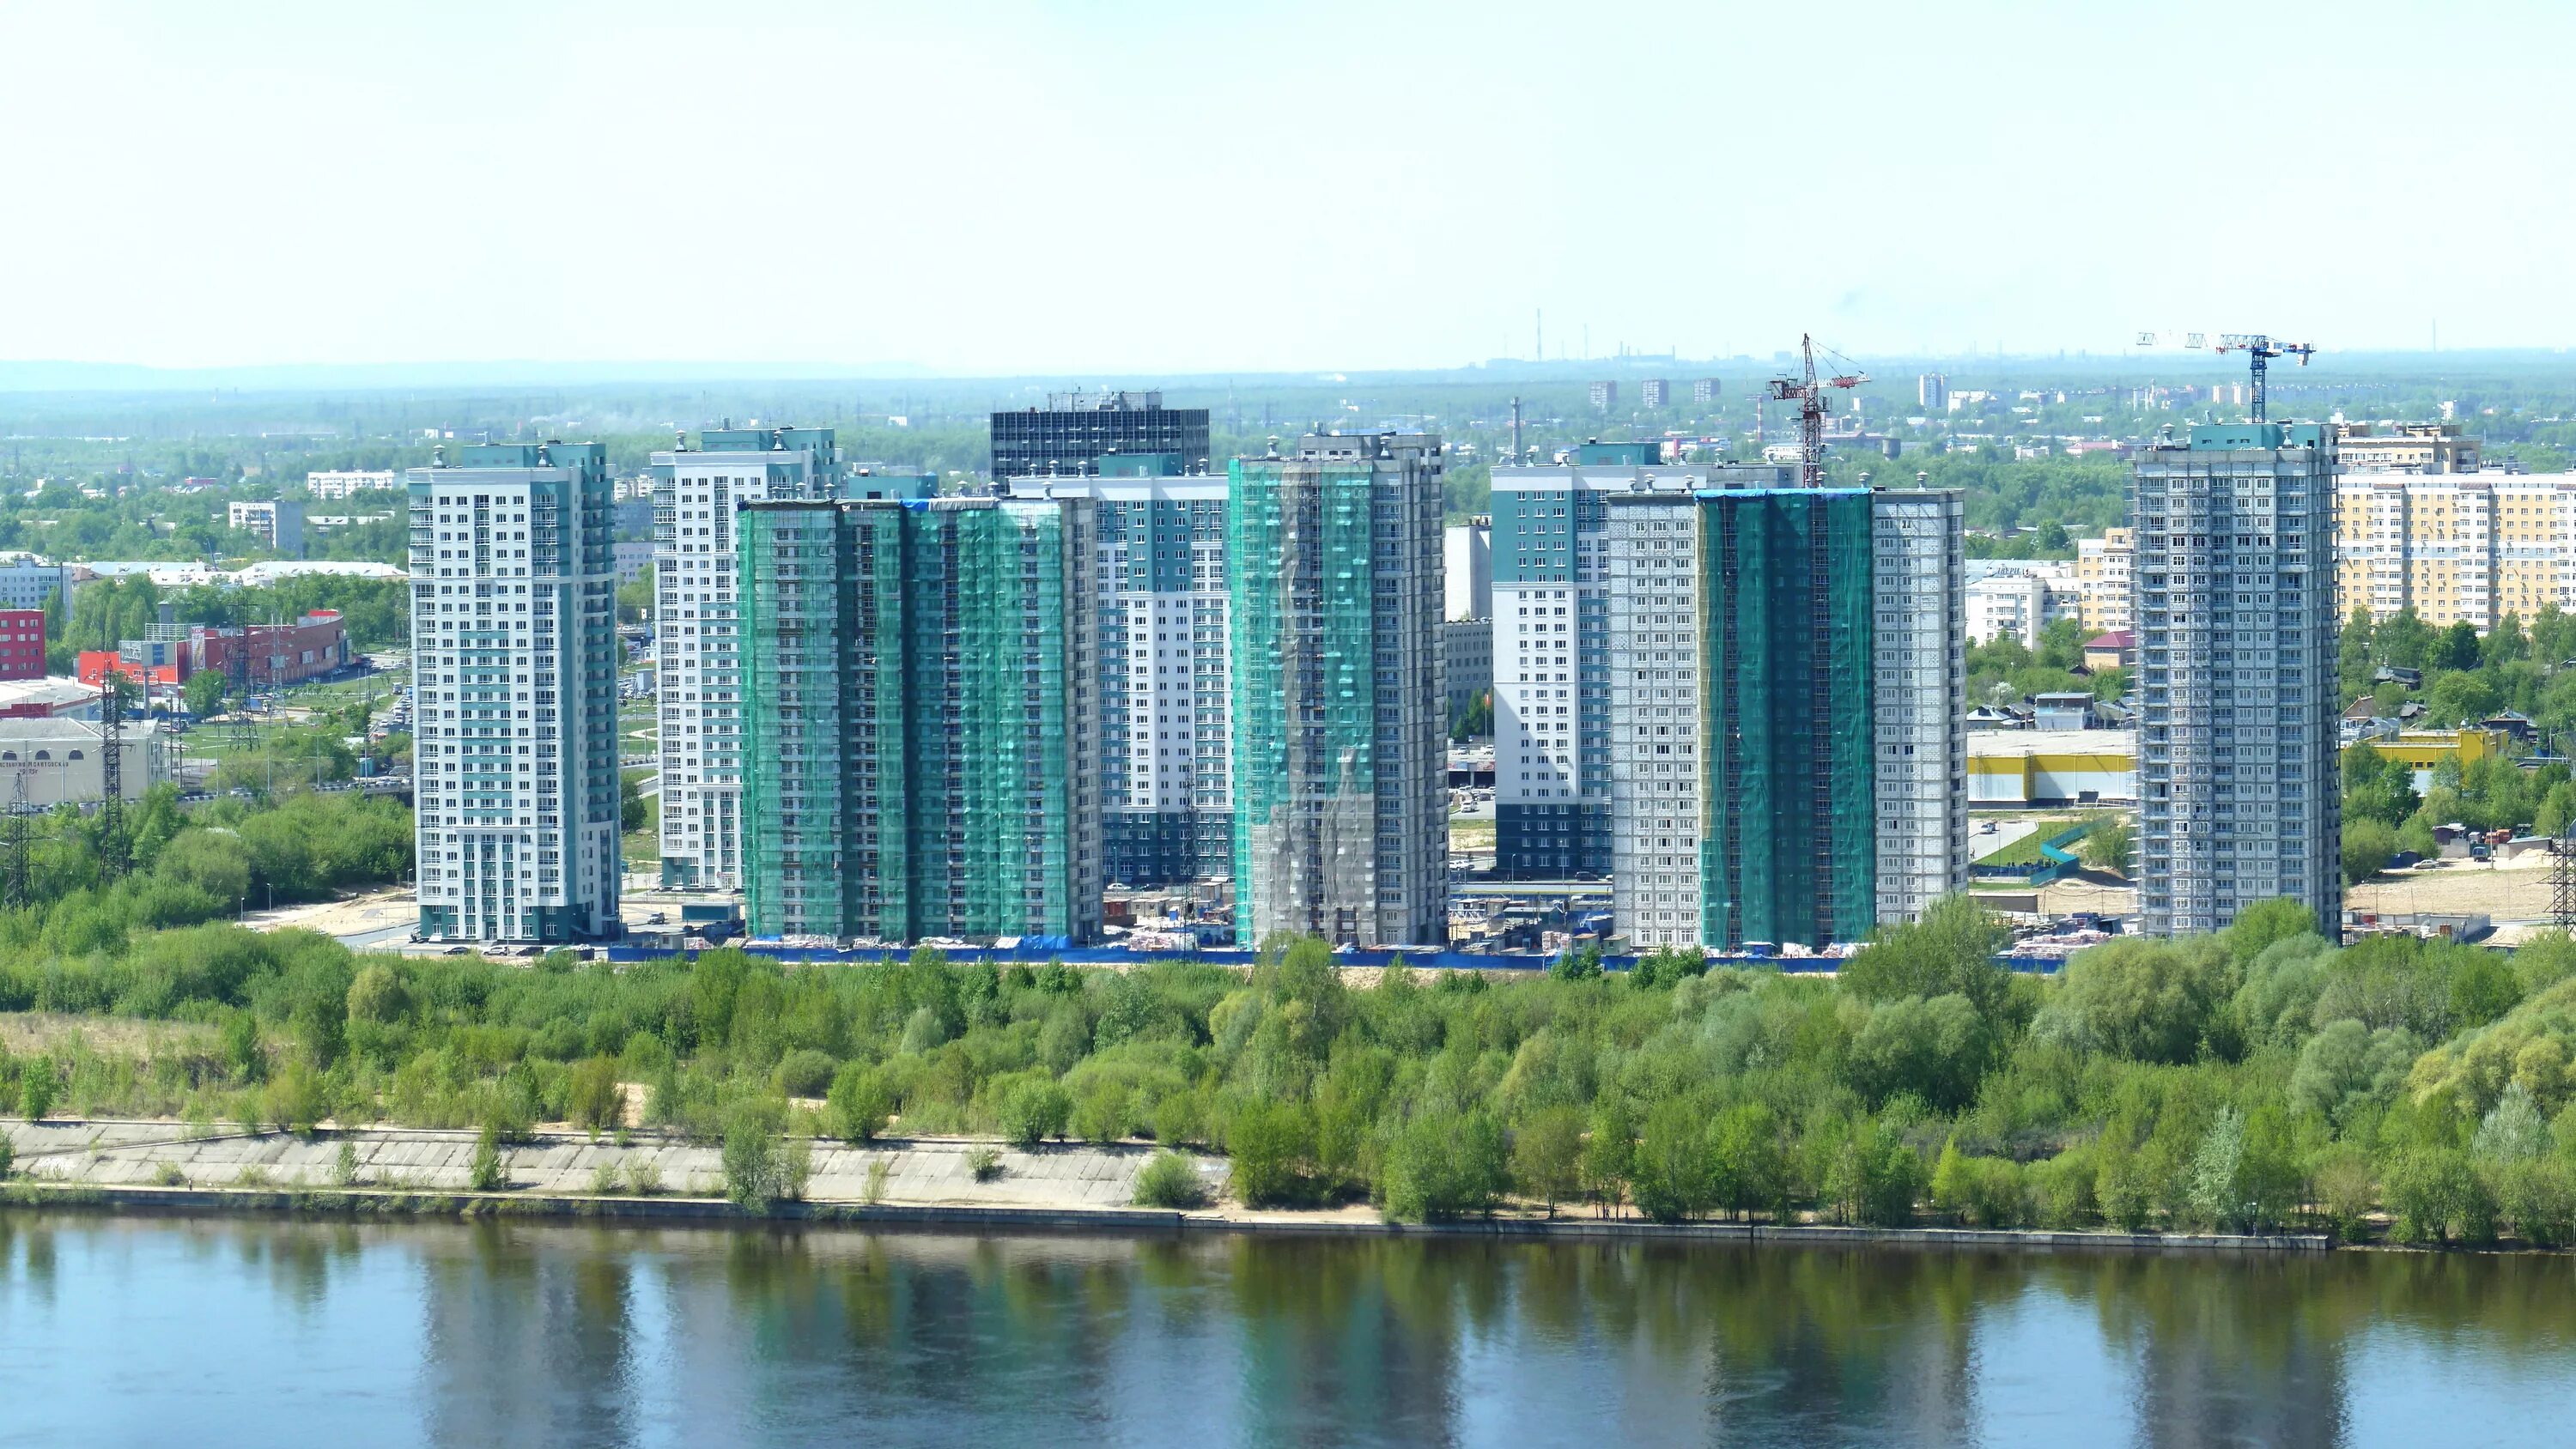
{"x":2258,"y":348}
{"x":1808,"y":392}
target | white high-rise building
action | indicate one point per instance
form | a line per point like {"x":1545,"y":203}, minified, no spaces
{"x":2239,"y":795}
{"x":1919,"y":696}
{"x":1651,"y":563}
{"x":1551,"y":655}
{"x":695,"y":493}
{"x":324,"y":483}
{"x":514,"y":672}
{"x":1166,"y":762}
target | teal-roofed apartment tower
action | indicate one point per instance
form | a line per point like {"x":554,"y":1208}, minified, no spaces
{"x":923,"y":719}
{"x":1334,"y":569}
{"x":2239,"y":775}
{"x":514,"y":673}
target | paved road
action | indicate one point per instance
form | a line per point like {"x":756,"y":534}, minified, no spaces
{"x":370,"y":940}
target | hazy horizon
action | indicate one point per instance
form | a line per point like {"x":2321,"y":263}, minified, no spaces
{"x":1034,"y":190}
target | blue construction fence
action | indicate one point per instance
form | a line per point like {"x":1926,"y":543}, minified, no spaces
{"x":1039,"y":954}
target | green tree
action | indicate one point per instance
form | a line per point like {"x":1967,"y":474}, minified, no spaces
{"x":2453,"y":699}
{"x":1870,"y":1175}
{"x":2147,"y":1001}
{"x":37,"y":1086}
{"x":1270,"y":1143}
{"x":1950,"y":951}
{"x":205,"y":693}
{"x":1672,"y":1178}
{"x":1935,"y":1050}
{"x":2263,"y":923}
{"x":2458,"y":647}
{"x":755,"y":1160}
{"x":296,"y":1100}
{"x":1748,"y":1164}
{"x":1035,"y":1109}
{"x":2110,"y":846}
{"x":594,"y":1098}
{"x":1440,"y":1165}
{"x":1547,"y":1154}
{"x":2404,"y":641}
{"x":2368,"y":846}
{"x":485,"y":1173}
{"x":2352,"y":655}
{"x":2242,"y":1177}
{"x":1609,"y":1153}
{"x":2557,"y":809}
{"x":1170,"y":1180}
{"x":860,"y":1102}
{"x":1577,"y":963}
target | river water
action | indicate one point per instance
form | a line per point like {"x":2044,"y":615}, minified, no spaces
{"x":256,"y":1331}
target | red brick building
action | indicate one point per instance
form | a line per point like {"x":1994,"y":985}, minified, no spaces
{"x":22,"y":643}
{"x":272,"y":654}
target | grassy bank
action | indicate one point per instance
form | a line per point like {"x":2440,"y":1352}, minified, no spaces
{"x":2251,"y":1081}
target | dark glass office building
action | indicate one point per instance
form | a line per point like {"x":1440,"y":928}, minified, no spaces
{"x":1075,"y":430}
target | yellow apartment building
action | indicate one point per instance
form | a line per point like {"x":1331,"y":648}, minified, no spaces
{"x":2102,"y":579}
{"x":2473,"y":546}
{"x":2405,"y":448}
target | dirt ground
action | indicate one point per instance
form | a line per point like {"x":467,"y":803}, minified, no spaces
{"x":2075,"y":893}
{"x":2514,"y":892}
{"x":373,"y":911}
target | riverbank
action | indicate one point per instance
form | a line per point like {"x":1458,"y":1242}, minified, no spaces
{"x":153,"y":1166}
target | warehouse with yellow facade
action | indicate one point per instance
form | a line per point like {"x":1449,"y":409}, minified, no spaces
{"x":2014,"y":769}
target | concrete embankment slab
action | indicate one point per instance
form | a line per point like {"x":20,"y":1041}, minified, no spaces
{"x":156,"y":1166}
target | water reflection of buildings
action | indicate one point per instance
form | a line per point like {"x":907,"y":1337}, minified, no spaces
{"x":2250,"y":1351}
{"x":525,"y":1342}
{"x":617,"y":1336}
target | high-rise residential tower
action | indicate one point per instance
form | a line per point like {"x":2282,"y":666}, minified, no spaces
{"x":1787,"y":747}
{"x":1075,"y":430}
{"x":1919,"y":696}
{"x":514,"y":669}
{"x":1551,"y":656}
{"x":1333,"y":560}
{"x":695,"y":492}
{"x":923,"y":719}
{"x":2239,"y":795}
{"x":1160,"y":595}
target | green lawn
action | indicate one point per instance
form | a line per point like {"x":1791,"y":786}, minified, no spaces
{"x":2025,"y":851}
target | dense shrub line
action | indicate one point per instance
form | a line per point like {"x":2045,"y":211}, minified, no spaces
{"x":2248,"y":1081}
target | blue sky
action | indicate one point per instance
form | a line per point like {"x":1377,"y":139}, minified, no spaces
{"x":988,"y":187}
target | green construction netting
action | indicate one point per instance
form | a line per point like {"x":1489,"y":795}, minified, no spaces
{"x":1304,"y":621}
{"x":1787,"y":845}
{"x":906,"y":684}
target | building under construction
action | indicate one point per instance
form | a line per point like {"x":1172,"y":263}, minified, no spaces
{"x":1160,"y":595}
{"x":1075,"y":431}
{"x":1787,"y":747}
{"x":1340,"y":765}
{"x":922,"y":715}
